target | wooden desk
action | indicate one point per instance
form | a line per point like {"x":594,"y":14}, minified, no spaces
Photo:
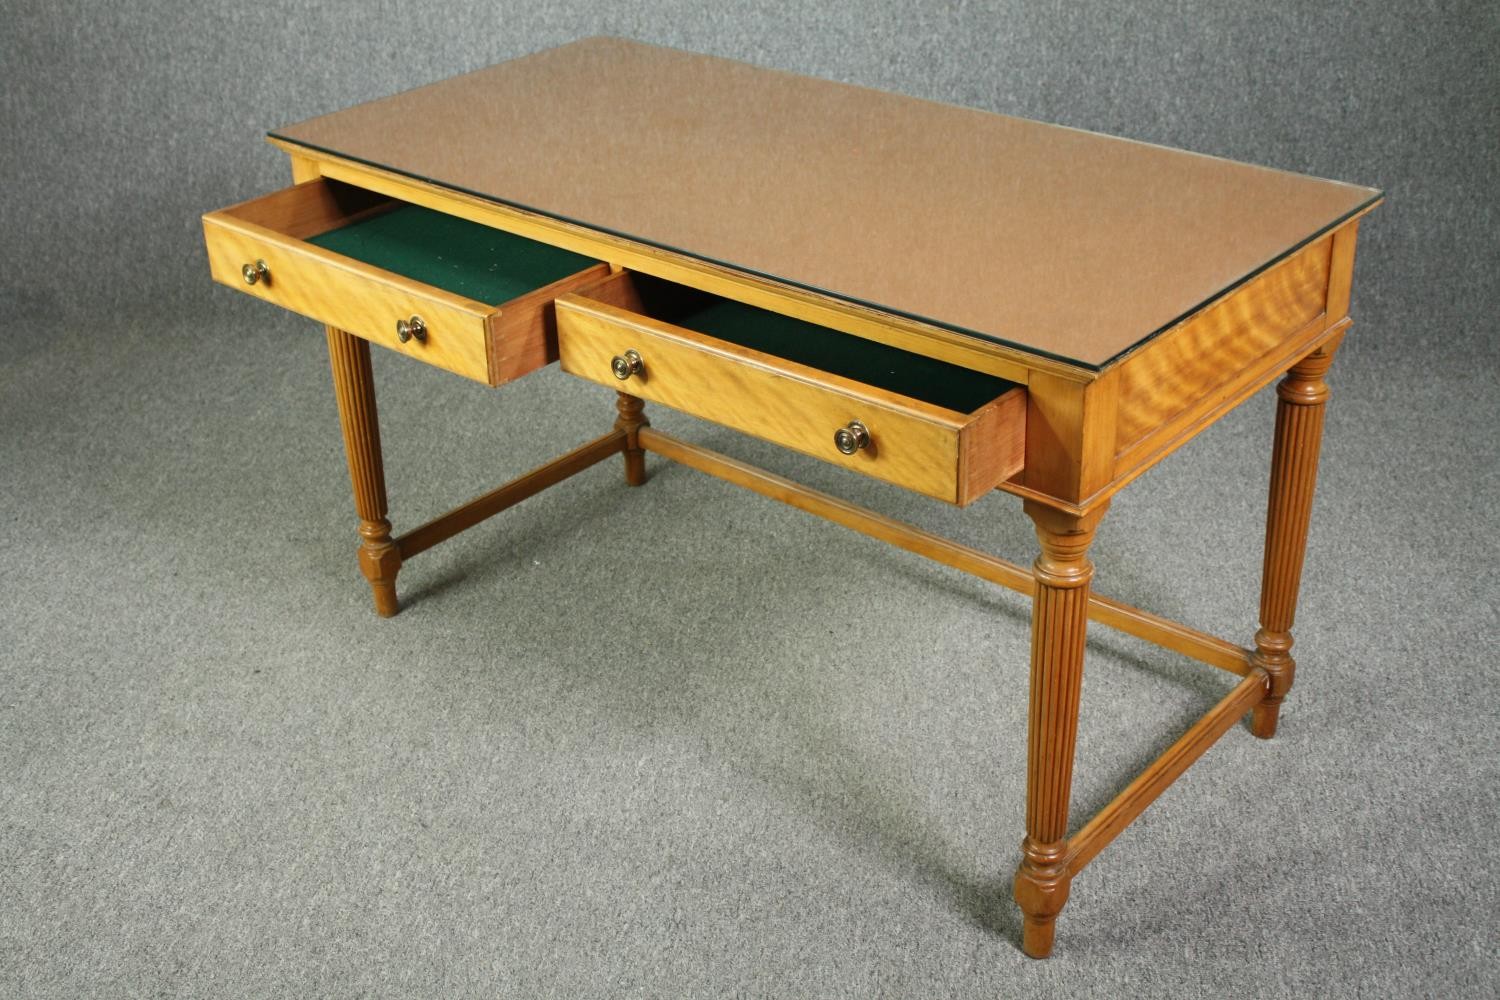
{"x":949,"y":300}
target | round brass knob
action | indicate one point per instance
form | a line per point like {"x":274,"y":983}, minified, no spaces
{"x":256,"y":272}
{"x":626,"y":365}
{"x":851,"y":437}
{"x":411,"y":329}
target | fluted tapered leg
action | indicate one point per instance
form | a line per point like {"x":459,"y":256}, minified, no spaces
{"x":1301,"y":398}
{"x":354,"y":387}
{"x":1059,"y":620}
{"x":631,"y":419}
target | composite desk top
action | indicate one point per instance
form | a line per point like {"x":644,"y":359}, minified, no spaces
{"x":1061,"y":242}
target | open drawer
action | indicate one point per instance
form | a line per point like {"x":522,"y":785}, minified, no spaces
{"x":930,"y":426}
{"x":465,"y":297}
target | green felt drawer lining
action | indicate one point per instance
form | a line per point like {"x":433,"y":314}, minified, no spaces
{"x":875,"y":364}
{"x":456,"y":255}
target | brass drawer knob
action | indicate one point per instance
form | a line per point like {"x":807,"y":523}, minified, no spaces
{"x":626,"y":365}
{"x":851,"y":437}
{"x":256,"y":272}
{"x":411,"y":329}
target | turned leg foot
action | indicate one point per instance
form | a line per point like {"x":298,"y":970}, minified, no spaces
{"x":1273,"y":654}
{"x":631,"y":419}
{"x":1041,"y":888}
{"x":1263,"y":719}
{"x":379,"y":561}
{"x":1301,"y":399}
{"x":354,"y":388}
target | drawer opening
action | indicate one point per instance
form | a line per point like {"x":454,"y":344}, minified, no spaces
{"x":915,"y":376}
{"x":487,"y":265}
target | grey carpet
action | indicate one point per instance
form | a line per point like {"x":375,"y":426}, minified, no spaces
{"x":681,"y":741}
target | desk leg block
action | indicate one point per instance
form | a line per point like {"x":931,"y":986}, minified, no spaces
{"x":1059,"y":620}
{"x":354,"y":387}
{"x":1301,"y":398}
{"x":631,"y":419}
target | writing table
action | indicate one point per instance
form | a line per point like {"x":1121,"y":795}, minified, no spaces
{"x":949,"y":300}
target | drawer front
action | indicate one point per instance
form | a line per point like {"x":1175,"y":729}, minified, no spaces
{"x":912,"y":444}
{"x":489,"y":343}
{"x":349,"y":295}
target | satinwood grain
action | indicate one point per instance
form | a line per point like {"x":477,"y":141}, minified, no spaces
{"x":912,"y":443}
{"x":486,"y":342}
{"x":1184,"y":366}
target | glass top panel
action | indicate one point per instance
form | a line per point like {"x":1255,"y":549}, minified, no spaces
{"x":1064,"y":243}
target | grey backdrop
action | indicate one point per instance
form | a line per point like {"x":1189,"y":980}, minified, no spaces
{"x":678,"y":741}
